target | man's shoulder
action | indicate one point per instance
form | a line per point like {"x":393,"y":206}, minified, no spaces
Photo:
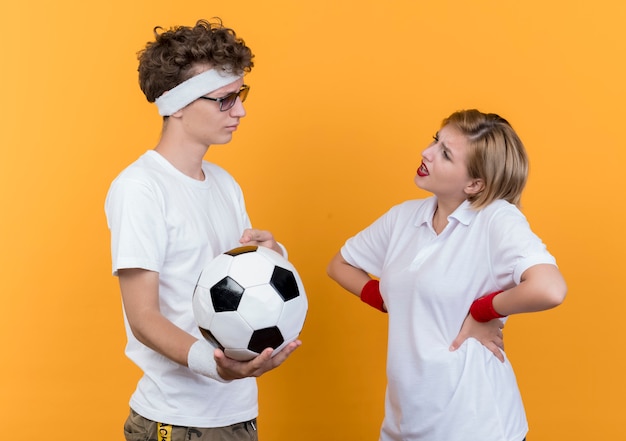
{"x":217,"y":173}
{"x":142,"y":165}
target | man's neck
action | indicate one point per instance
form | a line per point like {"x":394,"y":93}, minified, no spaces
{"x":184,"y":156}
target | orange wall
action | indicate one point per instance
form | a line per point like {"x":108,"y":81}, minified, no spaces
{"x":345,"y":94}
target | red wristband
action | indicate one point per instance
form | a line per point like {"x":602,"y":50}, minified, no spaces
{"x":482,"y":309}
{"x":370,"y":294}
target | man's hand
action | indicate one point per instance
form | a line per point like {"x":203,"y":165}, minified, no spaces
{"x":488,"y":333}
{"x":252,"y":236}
{"x":230,"y":369}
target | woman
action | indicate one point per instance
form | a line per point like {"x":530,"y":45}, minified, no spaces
{"x":466,"y":248}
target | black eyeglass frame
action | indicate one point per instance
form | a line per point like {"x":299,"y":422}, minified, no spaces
{"x":242,"y":93}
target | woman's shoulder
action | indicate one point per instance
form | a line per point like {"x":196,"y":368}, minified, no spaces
{"x":414,"y":210}
{"x":500,"y":207}
{"x":503,"y":217}
{"x":416,"y":204}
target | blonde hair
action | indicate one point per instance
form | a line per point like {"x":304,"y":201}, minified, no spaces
{"x":496,"y":155}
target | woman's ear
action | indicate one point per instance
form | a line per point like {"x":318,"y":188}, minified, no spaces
{"x":474,"y":187}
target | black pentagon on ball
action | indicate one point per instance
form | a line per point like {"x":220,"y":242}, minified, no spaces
{"x":265,"y":338}
{"x":226,"y":295}
{"x":210,"y":337}
{"x":284,"y":283}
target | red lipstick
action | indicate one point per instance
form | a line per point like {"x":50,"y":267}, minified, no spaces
{"x":422,"y":170}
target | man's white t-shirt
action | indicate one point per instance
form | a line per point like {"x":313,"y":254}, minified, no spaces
{"x":162,"y":220}
{"x":428,"y":283}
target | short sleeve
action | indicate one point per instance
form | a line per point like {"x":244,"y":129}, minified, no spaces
{"x":367,"y":249}
{"x":138,"y":231}
{"x":514,"y":247}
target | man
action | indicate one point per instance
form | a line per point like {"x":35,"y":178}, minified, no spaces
{"x":171,"y":212}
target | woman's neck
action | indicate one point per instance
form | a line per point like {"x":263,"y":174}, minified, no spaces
{"x":442,"y":211}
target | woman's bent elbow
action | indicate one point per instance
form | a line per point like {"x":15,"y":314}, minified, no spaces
{"x":557,"y":293}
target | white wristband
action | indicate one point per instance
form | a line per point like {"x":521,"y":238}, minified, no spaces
{"x":200,"y":360}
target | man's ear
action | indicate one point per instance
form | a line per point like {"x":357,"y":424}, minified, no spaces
{"x":474,"y":187}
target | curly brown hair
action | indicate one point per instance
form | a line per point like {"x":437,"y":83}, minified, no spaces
{"x":175,"y":55}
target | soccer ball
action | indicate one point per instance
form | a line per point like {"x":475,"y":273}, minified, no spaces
{"x":248,"y":299}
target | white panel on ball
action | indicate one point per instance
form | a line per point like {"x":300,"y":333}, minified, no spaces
{"x":250,"y":270}
{"x":219,"y":269}
{"x":262,"y":299}
{"x":233,"y":330}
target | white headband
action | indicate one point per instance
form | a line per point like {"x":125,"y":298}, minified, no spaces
{"x":190,"y":90}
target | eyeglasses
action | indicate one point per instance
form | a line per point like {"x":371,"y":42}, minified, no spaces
{"x":227,"y":102}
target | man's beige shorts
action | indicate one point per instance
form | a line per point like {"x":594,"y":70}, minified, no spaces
{"x":138,"y":428}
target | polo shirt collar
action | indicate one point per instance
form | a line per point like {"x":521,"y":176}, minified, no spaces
{"x":463,"y":214}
